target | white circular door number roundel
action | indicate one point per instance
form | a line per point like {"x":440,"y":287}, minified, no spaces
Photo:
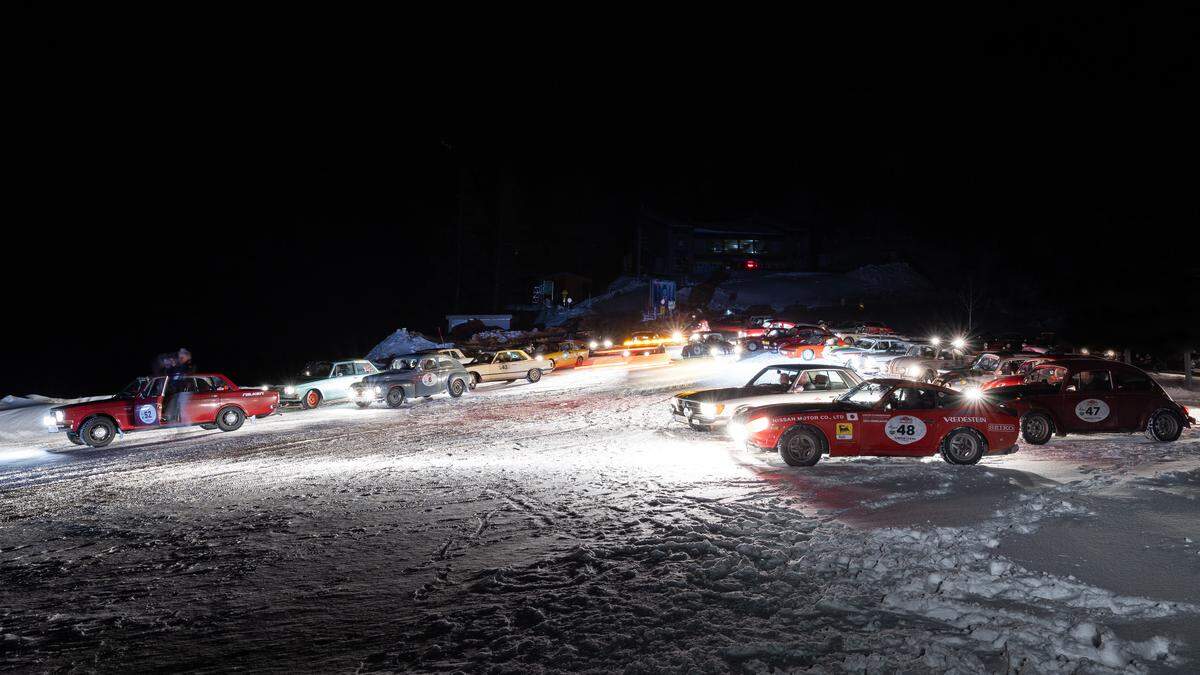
{"x":905,"y":429}
{"x":427,"y":379}
{"x":147,"y":413}
{"x":1092,"y":410}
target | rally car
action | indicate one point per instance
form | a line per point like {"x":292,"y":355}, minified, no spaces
{"x":883,"y":417}
{"x":564,"y":354}
{"x":985,"y":368}
{"x":709,"y":344}
{"x":924,"y":362}
{"x":209,"y":400}
{"x":811,"y":343}
{"x":784,"y":383}
{"x":508,"y":365}
{"x":862,"y":352}
{"x":649,"y":341}
{"x":322,"y":381}
{"x":454,"y":353}
{"x":411,"y":376}
{"x":1068,"y":395}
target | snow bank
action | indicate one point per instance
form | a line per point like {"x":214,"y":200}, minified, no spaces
{"x":21,"y":416}
{"x":399,"y":343}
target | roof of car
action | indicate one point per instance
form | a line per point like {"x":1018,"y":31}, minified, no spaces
{"x":807,"y":366}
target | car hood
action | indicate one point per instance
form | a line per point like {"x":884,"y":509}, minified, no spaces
{"x":729,"y":393}
{"x":794,"y":408}
{"x":88,"y":404}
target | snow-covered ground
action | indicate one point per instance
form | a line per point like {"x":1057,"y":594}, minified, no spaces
{"x":564,"y":525}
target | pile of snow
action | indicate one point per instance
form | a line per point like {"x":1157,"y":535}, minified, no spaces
{"x":500,"y":335}
{"x":399,"y":343}
{"x":21,"y":416}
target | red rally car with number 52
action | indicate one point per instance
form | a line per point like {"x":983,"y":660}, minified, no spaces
{"x":208,"y":400}
{"x":886,"y":417}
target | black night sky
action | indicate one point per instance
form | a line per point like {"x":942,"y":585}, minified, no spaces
{"x":264,"y":204}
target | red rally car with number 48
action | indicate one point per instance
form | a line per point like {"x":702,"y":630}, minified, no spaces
{"x":886,"y":417}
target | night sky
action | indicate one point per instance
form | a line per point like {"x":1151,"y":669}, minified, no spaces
{"x":263,"y":204}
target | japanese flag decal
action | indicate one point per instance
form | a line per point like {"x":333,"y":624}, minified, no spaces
{"x":904,"y":429}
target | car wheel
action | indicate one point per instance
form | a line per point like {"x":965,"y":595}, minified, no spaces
{"x":752,"y":346}
{"x":208,"y":427}
{"x":578,"y":361}
{"x":474,"y":381}
{"x":395,"y":397}
{"x":1037,"y":428}
{"x":457,"y":388}
{"x":97,"y":432}
{"x":363,"y":404}
{"x":534,"y":375}
{"x":1164,"y":426}
{"x":74,"y":438}
{"x":551,"y":362}
{"x":801,"y":446}
{"x":963,"y":446}
{"x":311,"y":399}
{"x":230,"y":419}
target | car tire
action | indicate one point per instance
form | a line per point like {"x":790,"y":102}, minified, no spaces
{"x":1164,"y":426}
{"x":1037,"y":428}
{"x":311,"y":399}
{"x":578,"y":361}
{"x":230,"y":418}
{"x":97,"y":432}
{"x":474,"y":381}
{"x":551,"y":362}
{"x":456,"y":387}
{"x":363,"y":405}
{"x":534,"y":375}
{"x":801,"y":446}
{"x":752,"y":346}
{"x":394,"y":397}
{"x":963,"y":446}
{"x":208,"y":427}
{"x":74,"y":438}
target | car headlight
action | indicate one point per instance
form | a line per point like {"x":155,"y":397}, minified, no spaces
{"x":737,"y":431}
{"x":757,"y":425}
{"x":677,"y":336}
{"x":48,"y":421}
{"x":608,"y":344}
{"x":625,"y":353}
{"x":593,"y":344}
{"x":59,"y":416}
{"x":538,"y":357}
{"x":914,"y":370}
{"x":289,"y":390}
{"x":972,"y":394}
{"x":711,"y":409}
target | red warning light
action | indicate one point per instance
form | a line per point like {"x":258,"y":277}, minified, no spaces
{"x":751,"y":264}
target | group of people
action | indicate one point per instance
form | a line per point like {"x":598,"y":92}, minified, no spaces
{"x":174,"y":364}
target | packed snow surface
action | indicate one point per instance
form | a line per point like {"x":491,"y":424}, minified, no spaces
{"x":566,"y":526}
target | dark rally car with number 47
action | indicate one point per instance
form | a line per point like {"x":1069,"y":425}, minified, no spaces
{"x":885,"y":417}
{"x":208,"y":400}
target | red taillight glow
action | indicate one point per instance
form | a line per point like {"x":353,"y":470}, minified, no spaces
{"x":751,"y":264}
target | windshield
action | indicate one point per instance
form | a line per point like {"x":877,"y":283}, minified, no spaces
{"x":863,"y":343}
{"x":867,"y":393}
{"x":133,"y":388}
{"x":775,"y":377}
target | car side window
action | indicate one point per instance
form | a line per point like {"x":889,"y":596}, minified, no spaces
{"x":912,"y":398}
{"x":343,"y":369}
{"x":1090,"y":381}
{"x":1131,"y":382}
{"x":428,"y":364}
{"x":361,"y":369}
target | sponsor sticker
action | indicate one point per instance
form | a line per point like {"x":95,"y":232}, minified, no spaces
{"x":1002,"y":427}
{"x":1092,"y":410}
{"x":147,"y":413}
{"x":966,"y":420}
{"x":845,"y":431}
{"x":905,"y":429}
{"x":428,"y":379}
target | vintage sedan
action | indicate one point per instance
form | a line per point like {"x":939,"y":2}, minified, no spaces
{"x":813,"y":343}
{"x":708,"y":409}
{"x":985,"y":368}
{"x":508,"y":365}
{"x":563,"y":354}
{"x":412,"y":376}
{"x":868,"y":353}
{"x":323,"y":381}
{"x":649,"y":341}
{"x":924,"y":362}
{"x":1081,"y":395}
{"x":884,"y":417}
{"x":210,"y":401}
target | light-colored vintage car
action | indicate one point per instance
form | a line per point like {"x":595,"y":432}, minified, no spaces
{"x":323,"y":381}
{"x":925,"y":362}
{"x":868,"y":353}
{"x":454,"y":353}
{"x":412,"y":376}
{"x":508,"y":365}
{"x":783,"y":383}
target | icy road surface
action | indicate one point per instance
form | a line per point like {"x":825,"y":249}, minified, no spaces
{"x":565,"y":525}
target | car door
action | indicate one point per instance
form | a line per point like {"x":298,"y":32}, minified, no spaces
{"x":342,"y":376}
{"x":426,"y":383}
{"x":496,"y":369}
{"x":202,"y":401}
{"x":1135,"y":398}
{"x":905,"y":424}
{"x":1087,"y":402}
{"x":148,"y":405}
